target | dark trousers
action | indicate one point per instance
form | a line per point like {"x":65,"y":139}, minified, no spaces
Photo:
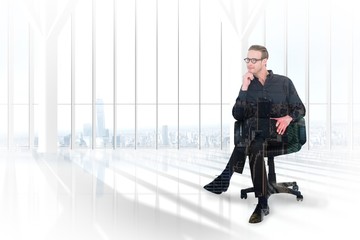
{"x":257,"y":165}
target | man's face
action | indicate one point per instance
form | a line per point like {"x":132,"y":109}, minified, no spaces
{"x":256,"y":67}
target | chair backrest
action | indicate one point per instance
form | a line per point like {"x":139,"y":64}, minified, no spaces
{"x":292,"y":141}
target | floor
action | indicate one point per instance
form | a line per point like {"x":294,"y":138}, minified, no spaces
{"x":158,"y":194}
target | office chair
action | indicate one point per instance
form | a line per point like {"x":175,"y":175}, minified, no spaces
{"x":292,"y":141}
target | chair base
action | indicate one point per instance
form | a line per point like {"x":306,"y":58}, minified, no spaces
{"x":274,"y":188}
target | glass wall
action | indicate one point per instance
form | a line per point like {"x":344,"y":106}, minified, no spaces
{"x":83,"y":36}
{"x":4,"y":26}
{"x":64,"y":85}
{"x":151,"y":73}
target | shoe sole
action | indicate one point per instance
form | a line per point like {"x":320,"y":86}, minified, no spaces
{"x":212,"y":191}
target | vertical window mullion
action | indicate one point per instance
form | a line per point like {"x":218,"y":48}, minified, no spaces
{"x":93,"y":140}
{"x":178,"y":75}
{"x":72,"y":124}
{"x":199,"y":139}
{"x":307,"y":73}
{"x":31,"y":90}
{"x":115,"y":78}
{"x":157,"y":77}
{"x":328,"y":89}
{"x":135,"y":105}
{"x":10,"y":58}
{"x":221,"y":91}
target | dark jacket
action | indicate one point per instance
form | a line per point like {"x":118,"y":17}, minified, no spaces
{"x":277,"y":98}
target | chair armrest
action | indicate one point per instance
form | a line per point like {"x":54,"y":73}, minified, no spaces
{"x":239,"y":138}
{"x":297,"y":132}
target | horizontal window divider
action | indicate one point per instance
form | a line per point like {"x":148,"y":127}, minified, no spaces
{"x":173,"y":104}
{"x":17,"y":104}
{"x":131,"y":104}
{"x":145,"y":103}
{"x":333,"y":103}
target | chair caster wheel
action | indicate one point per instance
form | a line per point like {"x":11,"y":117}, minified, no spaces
{"x":295,"y":187}
{"x":299,"y":198}
{"x":243,"y":195}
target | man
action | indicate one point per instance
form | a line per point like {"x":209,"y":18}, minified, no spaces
{"x":264,"y":98}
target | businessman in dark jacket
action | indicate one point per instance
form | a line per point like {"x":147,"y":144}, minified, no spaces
{"x":267,"y":104}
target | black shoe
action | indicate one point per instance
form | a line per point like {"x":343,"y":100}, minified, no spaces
{"x":217,"y":186}
{"x":259,"y":213}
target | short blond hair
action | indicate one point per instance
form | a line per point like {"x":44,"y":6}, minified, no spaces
{"x":262,"y":49}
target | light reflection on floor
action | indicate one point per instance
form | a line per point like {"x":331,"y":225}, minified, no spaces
{"x":158,"y":194}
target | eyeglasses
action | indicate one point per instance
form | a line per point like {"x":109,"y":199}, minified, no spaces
{"x":252,"y":60}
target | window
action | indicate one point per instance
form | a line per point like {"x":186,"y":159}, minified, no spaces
{"x":162,"y":73}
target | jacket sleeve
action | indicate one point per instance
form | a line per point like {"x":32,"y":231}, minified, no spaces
{"x":296,"y":107}
{"x":239,"y":107}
